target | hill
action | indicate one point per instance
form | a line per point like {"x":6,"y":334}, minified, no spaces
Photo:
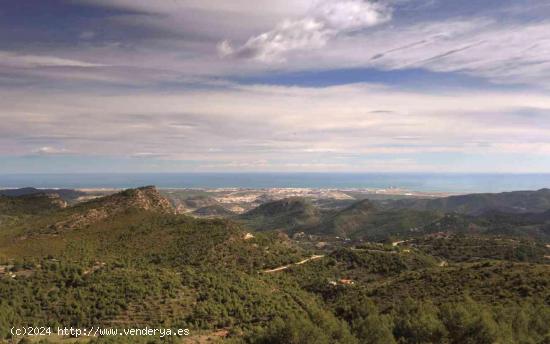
{"x":189,"y":200}
{"x":67,"y":195}
{"x":287,"y":214}
{"x":475,"y":204}
{"x":83,"y":214}
{"x":363,"y":220}
{"x":405,"y":295}
{"x":215,"y":210}
{"x":128,"y":260}
{"x":141,"y":265}
{"x":30,"y":204}
{"x":367,"y":220}
{"x":534,"y":226}
{"x":348,"y":220}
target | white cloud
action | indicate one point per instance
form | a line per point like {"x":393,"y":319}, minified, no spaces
{"x":504,"y":53}
{"x":165,"y":49}
{"x":328,"y":19}
{"x":349,"y":15}
{"x":271,"y":46}
{"x":185,"y":39}
{"x":46,"y":150}
{"x":286,"y":126}
{"x":30,"y":61}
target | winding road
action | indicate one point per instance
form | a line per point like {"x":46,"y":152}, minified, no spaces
{"x":284,"y":267}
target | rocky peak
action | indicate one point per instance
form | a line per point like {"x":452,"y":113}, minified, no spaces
{"x":144,"y":198}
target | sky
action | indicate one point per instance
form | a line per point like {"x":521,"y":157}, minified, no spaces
{"x":275,"y":85}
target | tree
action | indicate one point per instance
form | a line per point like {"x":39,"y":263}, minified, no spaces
{"x":419,"y":323}
{"x":375,"y":329}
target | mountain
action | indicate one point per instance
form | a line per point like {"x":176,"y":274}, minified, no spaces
{"x":68,"y":195}
{"x":360,"y":220}
{"x":141,"y":265}
{"x":50,"y":214}
{"x":189,"y":200}
{"x":288,"y":214}
{"x":348,"y":220}
{"x":364,"y":220}
{"x":145,"y":198}
{"x":138,"y":222}
{"x":141,"y":199}
{"x":375,"y":221}
{"x":134,"y":263}
{"x":30,"y":204}
{"x":475,"y":204}
{"x":534,"y":226}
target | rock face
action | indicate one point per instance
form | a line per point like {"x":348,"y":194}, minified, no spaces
{"x":145,"y":198}
{"x":55,"y":200}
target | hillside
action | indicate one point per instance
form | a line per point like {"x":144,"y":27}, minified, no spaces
{"x":30,"y":204}
{"x":215,"y":210}
{"x":364,"y":220}
{"x":128,"y":260}
{"x":406,"y":295}
{"x":475,"y":204}
{"x":534,"y":226}
{"x":348,"y":220}
{"x":67,"y":195}
{"x":367,"y":220}
{"x":189,"y":200}
{"x":86,"y":213}
{"x":142,"y":265}
{"x":285,"y":214}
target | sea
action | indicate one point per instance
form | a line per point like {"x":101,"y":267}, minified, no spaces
{"x":419,"y":182}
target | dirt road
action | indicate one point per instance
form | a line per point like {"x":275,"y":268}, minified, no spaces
{"x":284,"y":267}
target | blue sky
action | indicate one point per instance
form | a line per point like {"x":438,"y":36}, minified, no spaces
{"x":301,"y":85}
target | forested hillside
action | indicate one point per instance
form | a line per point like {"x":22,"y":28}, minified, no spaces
{"x":128,"y":260}
{"x":475,"y":204}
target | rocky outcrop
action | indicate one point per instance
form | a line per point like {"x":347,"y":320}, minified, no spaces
{"x":145,"y":198}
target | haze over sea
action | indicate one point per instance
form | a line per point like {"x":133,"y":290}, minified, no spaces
{"x":457,"y":183}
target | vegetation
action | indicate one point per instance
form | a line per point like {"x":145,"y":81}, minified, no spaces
{"x":127,"y":260}
{"x":475,"y":204}
{"x":286,"y":214}
{"x":462,"y":248}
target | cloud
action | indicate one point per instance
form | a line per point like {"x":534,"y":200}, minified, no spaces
{"x":349,"y":15}
{"x":327,"y":20}
{"x":482,"y":47}
{"x":271,"y":46}
{"x":46,"y":150}
{"x":150,"y":85}
{"x":331,"y":127}
{"x":148,"y":43}
{"x":32,"y":61}
{"x":87,"y":35}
